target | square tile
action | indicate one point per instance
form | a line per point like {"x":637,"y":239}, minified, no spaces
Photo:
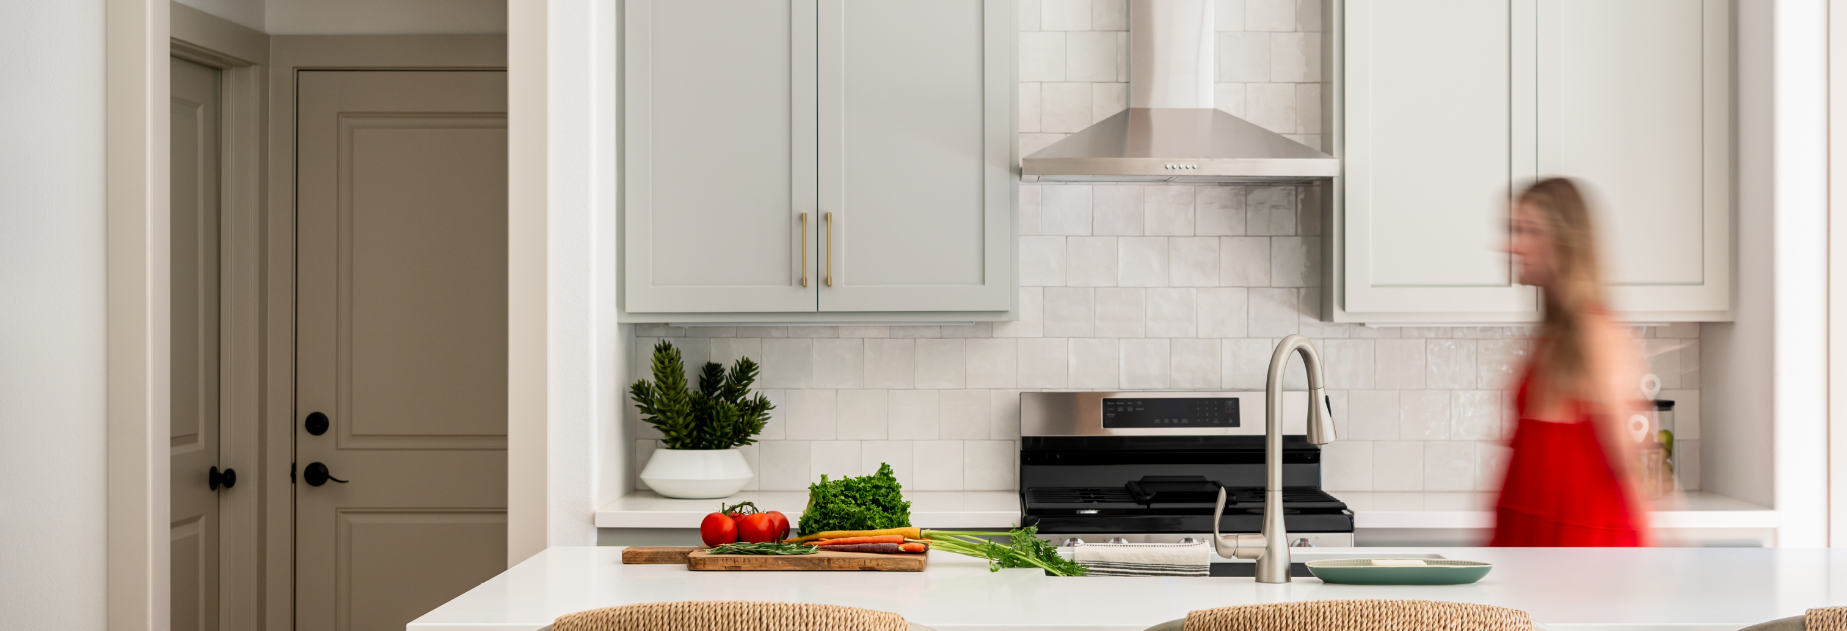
{"x":1689,"y":364}
{"x":1273,"y":312}
{"x":1271,"y":210}
{"x":1229,"y":98}
{"x":1032,"y":316}
{"x":942,"y":363}
{"x":891,"y":363}
{"x":1109,"y":15}
{"x":784,"y":465}
{"x":971,"y":330}
{"x":1044,"y":362}
{"x":993,"y":363}
{"x":1490,"y":465}
{"x":1243,"y":57}
{"x":862,"y":415}
{"x":915,"y":415}
{"x":727,"y":351}
{"x":1498,"y":362}
{"x":1224,"y":312}
{"x":1398,"y":465}
{"x":1169,"y":210}
{"x":1219,"y":210}
{"x":1196,"y":364}
{"x":1247,"y":363}
{"x":1308,"y":114}
{"x":896,"y":453}
{"x":1121,"y":312}
{"x":1090,"y":56}
{"x":965,"y":415}
{"x":1295,"y":57}
{"x":840,"y":363}
{"x":1070,"y":311}
{"x":1686,"y":413}
{"x":1295,"y":261}
{"x":1173,"y":313}
{"x":1117,"y":210}
{"x":1664,"y":360}
{"x":1095,"y":364}
{"x":644,"y":449}
{"x":1229,"y":15}
{"x":1308,"y":16}
{"x":1107,"y":99}
{"x":1374,"y":414}
{"x":1347,"y":466}
{"x":1477,"y":413}
{"x":1269,"y":15}
{"x":1090,"y":261}
{"x":1006,"y":414}
{"x":834,"y":459}
{"x":1031,"y":110}
{"x":1042,"y":57}
{"x":862,"y":332}
{"x":1449,"y":465}
{"x":1032,"y":15}
{"x":1145,"y":364}
{"x":777,"y":426}
{"x":1451,"y":363}
{"x":1142,"y":261}
{"x":1424,"y":415}
{"x":1066,"y":109}
{"x":1032,"y":143}
{"x":1066,"y":207}
{"x":1271,"y":106}
{"x":944,"y":472}
{"x":787,"y":363}
{"x":1193,"y":261}
{"x":1042,"y":261}
{"x":812,"y":415}
{"x":1066,"y":15}
{"x":1400,"y":364}
{"x":987,"y":465}
{"x":1244,"y":261}
{"x":1349,"y":364}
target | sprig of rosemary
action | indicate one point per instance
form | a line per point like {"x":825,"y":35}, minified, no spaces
{"x":770,"y":548}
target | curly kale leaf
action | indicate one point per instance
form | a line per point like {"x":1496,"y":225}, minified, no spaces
{"x":869,"y":502}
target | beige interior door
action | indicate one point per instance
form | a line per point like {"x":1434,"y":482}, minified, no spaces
{"x":194,"y":438}
{"x":401,"y":342}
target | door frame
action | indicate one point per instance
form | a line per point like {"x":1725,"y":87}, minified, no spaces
{"x":288,"y":55}
{"x":242,"y":56}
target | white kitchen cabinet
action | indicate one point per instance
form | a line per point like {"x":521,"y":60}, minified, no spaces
{"x":1446,"y":107}
{"x":889,"y":125}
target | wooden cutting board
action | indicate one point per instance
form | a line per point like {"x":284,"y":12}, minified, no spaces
{"x":659,"y":555}
{"x":698,"y":560}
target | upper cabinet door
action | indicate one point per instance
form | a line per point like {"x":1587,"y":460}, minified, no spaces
{"x":1634,"y":103}
{"x":916,"y":143}
{"x":719,"y":156}
{"x":1439,"y":122}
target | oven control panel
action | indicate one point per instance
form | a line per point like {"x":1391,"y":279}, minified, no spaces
{"x":1169,"y":412}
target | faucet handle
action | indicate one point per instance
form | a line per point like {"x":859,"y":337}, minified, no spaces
{"x":1320,"y":417}
{"x":1233,"y":546}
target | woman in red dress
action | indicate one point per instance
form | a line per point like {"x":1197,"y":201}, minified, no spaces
{"x":1572,"y":476}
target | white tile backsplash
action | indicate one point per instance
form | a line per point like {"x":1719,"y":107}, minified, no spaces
{"x":1159,"y":286}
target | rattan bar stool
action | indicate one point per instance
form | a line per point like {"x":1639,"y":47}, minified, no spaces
{"x":1818,"y":619}
{"x":733,"y":615}
{"x":1354,"y":615}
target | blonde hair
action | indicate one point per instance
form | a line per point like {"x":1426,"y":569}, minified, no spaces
{"x":1576,"y":289}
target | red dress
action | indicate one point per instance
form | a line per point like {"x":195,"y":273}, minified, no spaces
{"x":1560,"y":491}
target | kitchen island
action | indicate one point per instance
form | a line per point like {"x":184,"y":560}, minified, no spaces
{"x":1582,"y":589}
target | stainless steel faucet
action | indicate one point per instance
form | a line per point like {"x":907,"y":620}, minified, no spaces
{"x":1271,"y":548}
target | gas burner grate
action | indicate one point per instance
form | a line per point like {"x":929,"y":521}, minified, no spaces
{"x":1079,"y":495}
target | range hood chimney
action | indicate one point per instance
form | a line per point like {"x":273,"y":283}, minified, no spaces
{"x":1171,"y":131}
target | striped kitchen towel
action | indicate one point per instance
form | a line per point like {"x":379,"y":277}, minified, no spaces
{"x":1144,"y":559}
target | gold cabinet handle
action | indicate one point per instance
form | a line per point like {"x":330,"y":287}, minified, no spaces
{"x":804,"y":249}
{"x":829,"y":217}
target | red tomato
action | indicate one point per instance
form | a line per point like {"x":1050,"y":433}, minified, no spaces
{"x":757,"y":528}
{"x":718,"y":530}
{"x":782,"y":524}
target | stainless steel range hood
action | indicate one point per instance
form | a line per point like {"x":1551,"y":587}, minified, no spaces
{"x":1171,"y":131}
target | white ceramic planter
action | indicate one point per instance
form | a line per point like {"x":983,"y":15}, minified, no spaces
{"x":696,"y":474}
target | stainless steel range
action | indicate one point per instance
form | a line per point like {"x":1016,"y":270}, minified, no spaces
{"x":1148,"y":467}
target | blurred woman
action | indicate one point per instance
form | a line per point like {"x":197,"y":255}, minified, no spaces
{"x":1572,"y":479}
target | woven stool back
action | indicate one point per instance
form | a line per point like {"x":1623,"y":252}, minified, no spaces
{"x":1360,"y":615}
{"x":1825,"y":619}
{"x":730,"y":615}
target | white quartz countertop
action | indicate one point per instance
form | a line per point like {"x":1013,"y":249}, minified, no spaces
{"x":1580,"y":589}
{"x":1371,"y":509}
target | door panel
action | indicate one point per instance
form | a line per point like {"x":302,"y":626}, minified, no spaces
{"x":915,"y":137}
{"x":719,"y":164}
{"x":401,"y":342}
{"x":195,"y":339}
{"x":1436,"y":138}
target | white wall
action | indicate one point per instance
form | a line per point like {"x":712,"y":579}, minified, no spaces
{"x":382,"y":17}
{"x":52,"y":441}
{"x":246,"y":13}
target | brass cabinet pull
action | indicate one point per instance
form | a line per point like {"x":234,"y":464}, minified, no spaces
{"x":804,"y":249}
{"x":829,"y":217}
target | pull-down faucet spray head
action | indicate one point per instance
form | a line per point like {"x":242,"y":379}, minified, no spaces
{"x":1320,"y":417}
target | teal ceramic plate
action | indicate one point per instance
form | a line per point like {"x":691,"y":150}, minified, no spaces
{"x":1432,"y":572}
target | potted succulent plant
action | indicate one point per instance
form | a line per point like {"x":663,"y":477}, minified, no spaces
{"x":701,"y":429}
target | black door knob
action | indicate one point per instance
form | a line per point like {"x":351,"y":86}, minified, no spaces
{"x":316,"y":474}
{"x":316,"y":423}
{"x":226,"y":478}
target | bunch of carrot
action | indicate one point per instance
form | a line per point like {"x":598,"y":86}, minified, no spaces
{"x":878,"y":544}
